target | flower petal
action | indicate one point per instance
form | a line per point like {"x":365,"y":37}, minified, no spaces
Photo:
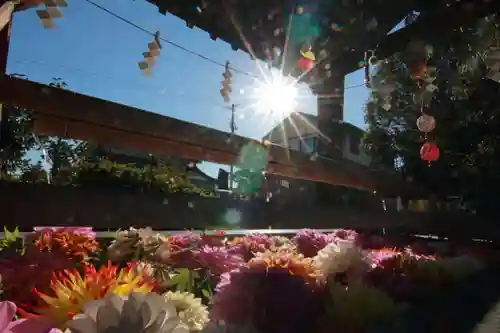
{"x":7,"y":313}
{"x":82,"y":324}
{"x":31,"y":325}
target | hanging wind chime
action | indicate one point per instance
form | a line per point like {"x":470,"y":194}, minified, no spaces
{"x":154,"y":47}
{"x":51,"y":12}
{"x":424,"y":78}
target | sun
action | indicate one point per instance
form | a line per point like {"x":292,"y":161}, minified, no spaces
{"x":276,"y":94}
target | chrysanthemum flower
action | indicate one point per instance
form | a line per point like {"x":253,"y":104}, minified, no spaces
{"x":77,"y":246}
{"x":72,"y":290}
{"x":193,"y":314}
{"x":309,"y":241}
{"x":216,"y":259}
{"x":184,"y":240}
{"x":135,"y":244}
{"x":248,"y":245}
{"x":267,"y":299}
{"x":293,"y":263}
{"x":339,"y":258}
{"x":33,"y":270}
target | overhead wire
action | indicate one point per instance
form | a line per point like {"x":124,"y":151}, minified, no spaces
{"x":180,"y":47}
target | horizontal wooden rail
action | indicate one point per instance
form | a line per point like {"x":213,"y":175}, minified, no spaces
{"x":64,"y":113}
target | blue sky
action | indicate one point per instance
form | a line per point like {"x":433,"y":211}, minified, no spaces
{"x":97,"y":54}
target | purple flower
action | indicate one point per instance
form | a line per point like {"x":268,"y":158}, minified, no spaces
{"x":217,"y":259}
{"x":270,"y":300}
{"x":343,"y":234}
{"x":309,"y":242}
{"x":185,"y":240}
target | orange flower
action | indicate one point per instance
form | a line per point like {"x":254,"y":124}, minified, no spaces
{"x":295,"y":264}
{"x":72,"y":290}
{"x":75,"y":245}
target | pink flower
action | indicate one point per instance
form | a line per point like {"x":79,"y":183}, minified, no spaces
{"x":217,"y":259}
{"x":75,"y":230}
{"x":184,"y":240}
{"x":309,"y":242}
{"x":269,"y":300}
{"x":32,"y":325}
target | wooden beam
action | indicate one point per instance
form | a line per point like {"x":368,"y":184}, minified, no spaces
{"x":67,"y":114}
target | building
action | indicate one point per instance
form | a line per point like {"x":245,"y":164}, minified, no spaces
{"x":299,"y":132}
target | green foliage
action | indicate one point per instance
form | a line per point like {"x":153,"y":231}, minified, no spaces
{"x":12,"y":241}
{"x":467,"y":112}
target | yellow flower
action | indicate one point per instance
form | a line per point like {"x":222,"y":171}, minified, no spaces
{"x":71,"y":291}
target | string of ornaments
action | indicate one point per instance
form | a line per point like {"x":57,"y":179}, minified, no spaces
{"x":417,"y":55}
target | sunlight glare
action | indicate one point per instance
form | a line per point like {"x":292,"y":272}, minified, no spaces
{"x":276,"y":94}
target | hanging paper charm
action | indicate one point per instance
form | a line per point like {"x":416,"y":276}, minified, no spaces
{"x":6,"y":13}
{"x":429,"y":152}
{"x":307,"y":58}
{"x":418,"y":71}
{"x":146,"y":65}
{"x":426,"y":123}
{"x":51,"y":12}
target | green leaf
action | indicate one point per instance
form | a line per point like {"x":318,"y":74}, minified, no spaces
{"x":183,"y":279}
{"x":206,"y":293}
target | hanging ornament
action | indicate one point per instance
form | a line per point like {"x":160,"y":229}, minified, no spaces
{"x":418,"y":71}
{"x":146,"y":65}
{"x":50,"y":12}
{"x":26,"y":4}
{"x":426,"y":123}
{"x":429,"y":152}
{"x":307,"y":58}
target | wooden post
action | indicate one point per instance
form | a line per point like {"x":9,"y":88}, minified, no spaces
{"x":330,"y":115}
{"x":4,"y":45}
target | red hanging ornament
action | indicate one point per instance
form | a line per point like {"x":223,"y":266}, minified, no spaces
{"x":306,"y":61}
{"x":418,"y":71}
{"x":429,"y":152}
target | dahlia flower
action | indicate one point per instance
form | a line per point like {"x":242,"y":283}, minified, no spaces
{"x":343,"y":234}
{"x":134,"y":313}
{"x":72,"y":290}
{"x":216,"y":259}
{"x":266,"y":299}
{"x":309,"y":241}
{"x":77,"y":246}
{"x":74,"y":230}
{"x":135,"y":244}
{"x":184,"y":240}
{"x":295,"y":264}
{"x":192,"y":313}
{"x":249,"y":245}
{"x":378,"y":258}
{"x":33,"y":270}
{"x":338,"y":258}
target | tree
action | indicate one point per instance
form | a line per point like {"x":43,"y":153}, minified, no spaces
{"x":466,"y":107}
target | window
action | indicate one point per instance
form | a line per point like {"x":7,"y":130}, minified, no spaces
{"x":294,"y":143}
{"x":308,"y":145}
{"x":354,"y":143}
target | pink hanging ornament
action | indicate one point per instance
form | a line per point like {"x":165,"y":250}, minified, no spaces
{"x":426,"y":123}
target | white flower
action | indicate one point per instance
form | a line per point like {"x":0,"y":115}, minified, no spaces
{"x":339,"y":257}
{"x":193,"y":314}
{"x":137,"y":313}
